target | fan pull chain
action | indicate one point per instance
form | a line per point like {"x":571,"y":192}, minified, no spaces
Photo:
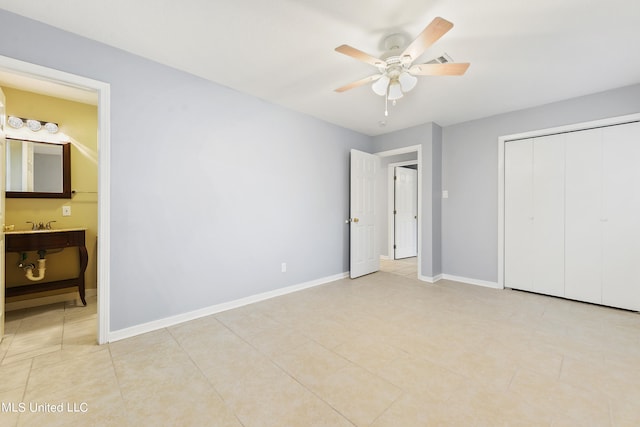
{"x":386,"y":103}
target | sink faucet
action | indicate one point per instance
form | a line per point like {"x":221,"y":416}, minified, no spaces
{"x":40,"y":225}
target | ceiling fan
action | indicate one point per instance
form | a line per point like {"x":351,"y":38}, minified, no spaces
{"x":397,"y":73}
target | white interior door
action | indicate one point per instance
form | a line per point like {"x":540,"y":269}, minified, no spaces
{"x":583,"y":221}
{"x":548,"y":215}
{"x":534,"y":215}
{"x":621,"y":226}
{"x":2,"y":189}
{"x":405,"y":213}
{"x":518,"y":215}
{"x":364,"y":244}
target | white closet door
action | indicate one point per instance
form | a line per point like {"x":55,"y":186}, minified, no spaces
{"x":583,"y":221}
{"x":621,"y":210}
{"x":548,"y":215}
{"x":518,"y":200}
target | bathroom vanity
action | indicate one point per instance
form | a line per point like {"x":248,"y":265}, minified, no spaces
{"x":35,"y":240}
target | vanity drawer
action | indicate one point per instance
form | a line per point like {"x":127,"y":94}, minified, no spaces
{"x":44,"y":240}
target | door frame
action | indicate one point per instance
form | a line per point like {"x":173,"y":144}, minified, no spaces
{"x":611,"y":121}
{"x":391,"y":191}
{"x":404,"y":150}
{"x":103,"y":90}
{"x":3,"y":220}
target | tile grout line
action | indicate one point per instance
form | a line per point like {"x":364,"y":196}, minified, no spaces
{"x":206,"y":378}
{"x":290,"y":375}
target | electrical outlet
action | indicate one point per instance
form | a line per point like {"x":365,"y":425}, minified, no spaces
{"x":284,"y":267}
{"x":66,"y":211}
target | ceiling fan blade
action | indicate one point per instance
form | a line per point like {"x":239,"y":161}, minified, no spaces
{"x":360,"y":55}
{"x":447,"y":69}
{"x":436,"y":29}
{"x":359,"y":83}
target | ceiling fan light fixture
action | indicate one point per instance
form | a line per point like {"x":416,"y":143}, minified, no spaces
{"x":397,"y":74}
{"x":380,"y":86}
{"x":407,"y":81}
{"x":395,"y":91}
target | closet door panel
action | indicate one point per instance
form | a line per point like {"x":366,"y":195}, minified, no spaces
{"x":548,"y":215}
{"x":583,"y":226}
{"x":621,"y":211}
{"x":518,"y":214}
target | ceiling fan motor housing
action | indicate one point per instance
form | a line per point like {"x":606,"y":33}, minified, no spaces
{"x":394,"y":43}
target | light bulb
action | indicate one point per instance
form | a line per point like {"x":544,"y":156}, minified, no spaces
{"x":395,"y":91}
{"x":34,"y":125}
{"x":380,"y":86}
{"x":15,"y":122}
{"x":51,"y":127}
{"x":407,"y":81}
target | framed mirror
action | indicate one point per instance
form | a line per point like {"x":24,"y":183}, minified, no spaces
{"x":38,"y":170}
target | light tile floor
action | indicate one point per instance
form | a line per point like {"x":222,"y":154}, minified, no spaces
{"x":407,"y":267}
{"x":381,"y":350}
{"x":62,"y":327}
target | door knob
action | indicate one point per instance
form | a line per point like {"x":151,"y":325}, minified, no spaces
{"x":355,"y":220}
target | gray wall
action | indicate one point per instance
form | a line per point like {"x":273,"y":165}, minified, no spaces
{"x":470,"y":174}
{"x":211,"y":189}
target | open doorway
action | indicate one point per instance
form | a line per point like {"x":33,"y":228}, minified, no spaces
{"x":395,"y":253}
{"x":34,"y":78}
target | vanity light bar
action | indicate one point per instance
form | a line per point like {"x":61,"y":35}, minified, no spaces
{"x":34,"y":125}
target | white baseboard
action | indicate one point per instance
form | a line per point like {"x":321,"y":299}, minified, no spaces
{"x":469,"y":281}
{"x":51,"y":299}
{"x":429,"y":279}
{"x":384,"y":257}
{"x":207,"y":311}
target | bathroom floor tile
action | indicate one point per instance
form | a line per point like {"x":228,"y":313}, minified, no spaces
{"x":14,"y":375}
{"x":12,"y":398}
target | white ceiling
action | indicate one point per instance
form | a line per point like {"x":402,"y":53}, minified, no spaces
{"x":523,"y":53}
